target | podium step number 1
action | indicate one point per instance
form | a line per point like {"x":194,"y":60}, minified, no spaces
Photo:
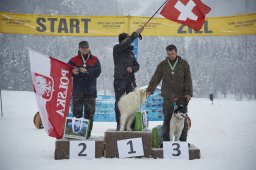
{"x":82,"y":150}
{"x":175,"y":150}
{"x":130,"y":148}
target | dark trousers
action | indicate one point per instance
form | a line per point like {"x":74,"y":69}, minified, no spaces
{"x":121,"y":87}
{"x":168,"y":108}
{"x":84,"y":104}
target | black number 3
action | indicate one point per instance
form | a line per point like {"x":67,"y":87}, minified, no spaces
{"x":83,"y":149}
{"x":176,"y":149}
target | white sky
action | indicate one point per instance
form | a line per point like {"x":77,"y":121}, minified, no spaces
{"x":219,"y":7}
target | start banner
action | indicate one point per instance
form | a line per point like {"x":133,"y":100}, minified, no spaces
{"x":53,"y":25}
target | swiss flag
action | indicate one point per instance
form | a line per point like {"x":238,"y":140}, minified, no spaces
{"x":188,"y":12}
{"x":52,"y":82}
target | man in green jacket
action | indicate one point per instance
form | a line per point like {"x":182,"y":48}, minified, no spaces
{"x":174,"y":72}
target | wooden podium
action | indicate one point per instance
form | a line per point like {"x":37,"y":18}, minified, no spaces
{"x":107,"y":146}
{"x":62,"y":147}
{"x":194,"y":152}
{"x":112,"y":136}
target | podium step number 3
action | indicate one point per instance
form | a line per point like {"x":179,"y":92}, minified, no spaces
{"x":175,"y":150}
{"x":130,"y":148}
{"x":82,"y":150}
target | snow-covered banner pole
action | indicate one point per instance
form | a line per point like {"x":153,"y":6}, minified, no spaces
{"x":2,"y":113}
{"x":52,"y":82}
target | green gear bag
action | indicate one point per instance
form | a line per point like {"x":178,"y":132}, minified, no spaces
{"x":88,"y":129}
{"x":155,"y":140}
{"x":138,"y":121}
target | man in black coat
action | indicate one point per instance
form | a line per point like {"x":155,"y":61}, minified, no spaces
{"x":125,"y":65}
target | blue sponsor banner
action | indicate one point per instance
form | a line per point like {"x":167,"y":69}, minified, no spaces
{"x":105,"y":108}
{"x":154,"y":107}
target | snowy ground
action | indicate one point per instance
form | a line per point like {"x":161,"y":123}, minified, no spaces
{"x":225,"y":133}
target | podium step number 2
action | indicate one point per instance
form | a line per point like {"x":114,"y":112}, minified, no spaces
{"x":82,"y":150}
{"x":175,"y":150}
{"x":130,"y":148}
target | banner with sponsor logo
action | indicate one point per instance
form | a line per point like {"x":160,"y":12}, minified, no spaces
{"x":54,"y":25}
{"x":52,"y":82}
{"x":105,"y":108}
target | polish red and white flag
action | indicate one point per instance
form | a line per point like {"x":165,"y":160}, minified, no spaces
{"x":52,"y":83}
{"x":188,"y":12}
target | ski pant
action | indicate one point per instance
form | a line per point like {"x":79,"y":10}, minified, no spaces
{"x":121,"y":86}
{"x":84,"y":104}
{"x":168,"y":108}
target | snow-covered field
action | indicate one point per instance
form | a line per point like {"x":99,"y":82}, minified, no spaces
{"x":225,"y":133}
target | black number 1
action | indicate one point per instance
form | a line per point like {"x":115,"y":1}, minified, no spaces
{"x":131,"y":147}
{"x":176,"y":149}
{"x":83,"y":149}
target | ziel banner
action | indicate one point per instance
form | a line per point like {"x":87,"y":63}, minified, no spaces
{"x":54,"y":25}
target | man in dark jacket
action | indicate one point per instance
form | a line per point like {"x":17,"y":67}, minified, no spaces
{"x":86,"y":69}
{"x":125,"y":65}
{"x":176,"y":86}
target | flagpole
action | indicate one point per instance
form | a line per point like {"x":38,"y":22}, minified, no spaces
{"x":154,"y":13}
{"x":2,"y":113}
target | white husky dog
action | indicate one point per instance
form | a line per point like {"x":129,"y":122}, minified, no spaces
{"x":177,"y":123}
{"x":128,"y":105}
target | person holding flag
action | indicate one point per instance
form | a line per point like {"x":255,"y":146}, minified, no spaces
{"x":125,"y":65}
{"x":86,"y":70}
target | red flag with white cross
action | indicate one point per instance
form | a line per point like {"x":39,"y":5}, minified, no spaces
{"x":188,"y":12}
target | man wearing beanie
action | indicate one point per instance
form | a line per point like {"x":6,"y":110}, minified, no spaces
{"x":125,"y":65}
{"x":86,"y":70}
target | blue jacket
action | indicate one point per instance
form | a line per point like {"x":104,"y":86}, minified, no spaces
{"x":86,"y":83}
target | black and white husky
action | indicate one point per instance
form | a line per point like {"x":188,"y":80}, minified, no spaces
{"x":177,"y":122}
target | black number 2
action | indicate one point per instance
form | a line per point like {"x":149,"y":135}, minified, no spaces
{"x":83,"y":149}
{"x":176,"y":149}
{"x":131,"y":147}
